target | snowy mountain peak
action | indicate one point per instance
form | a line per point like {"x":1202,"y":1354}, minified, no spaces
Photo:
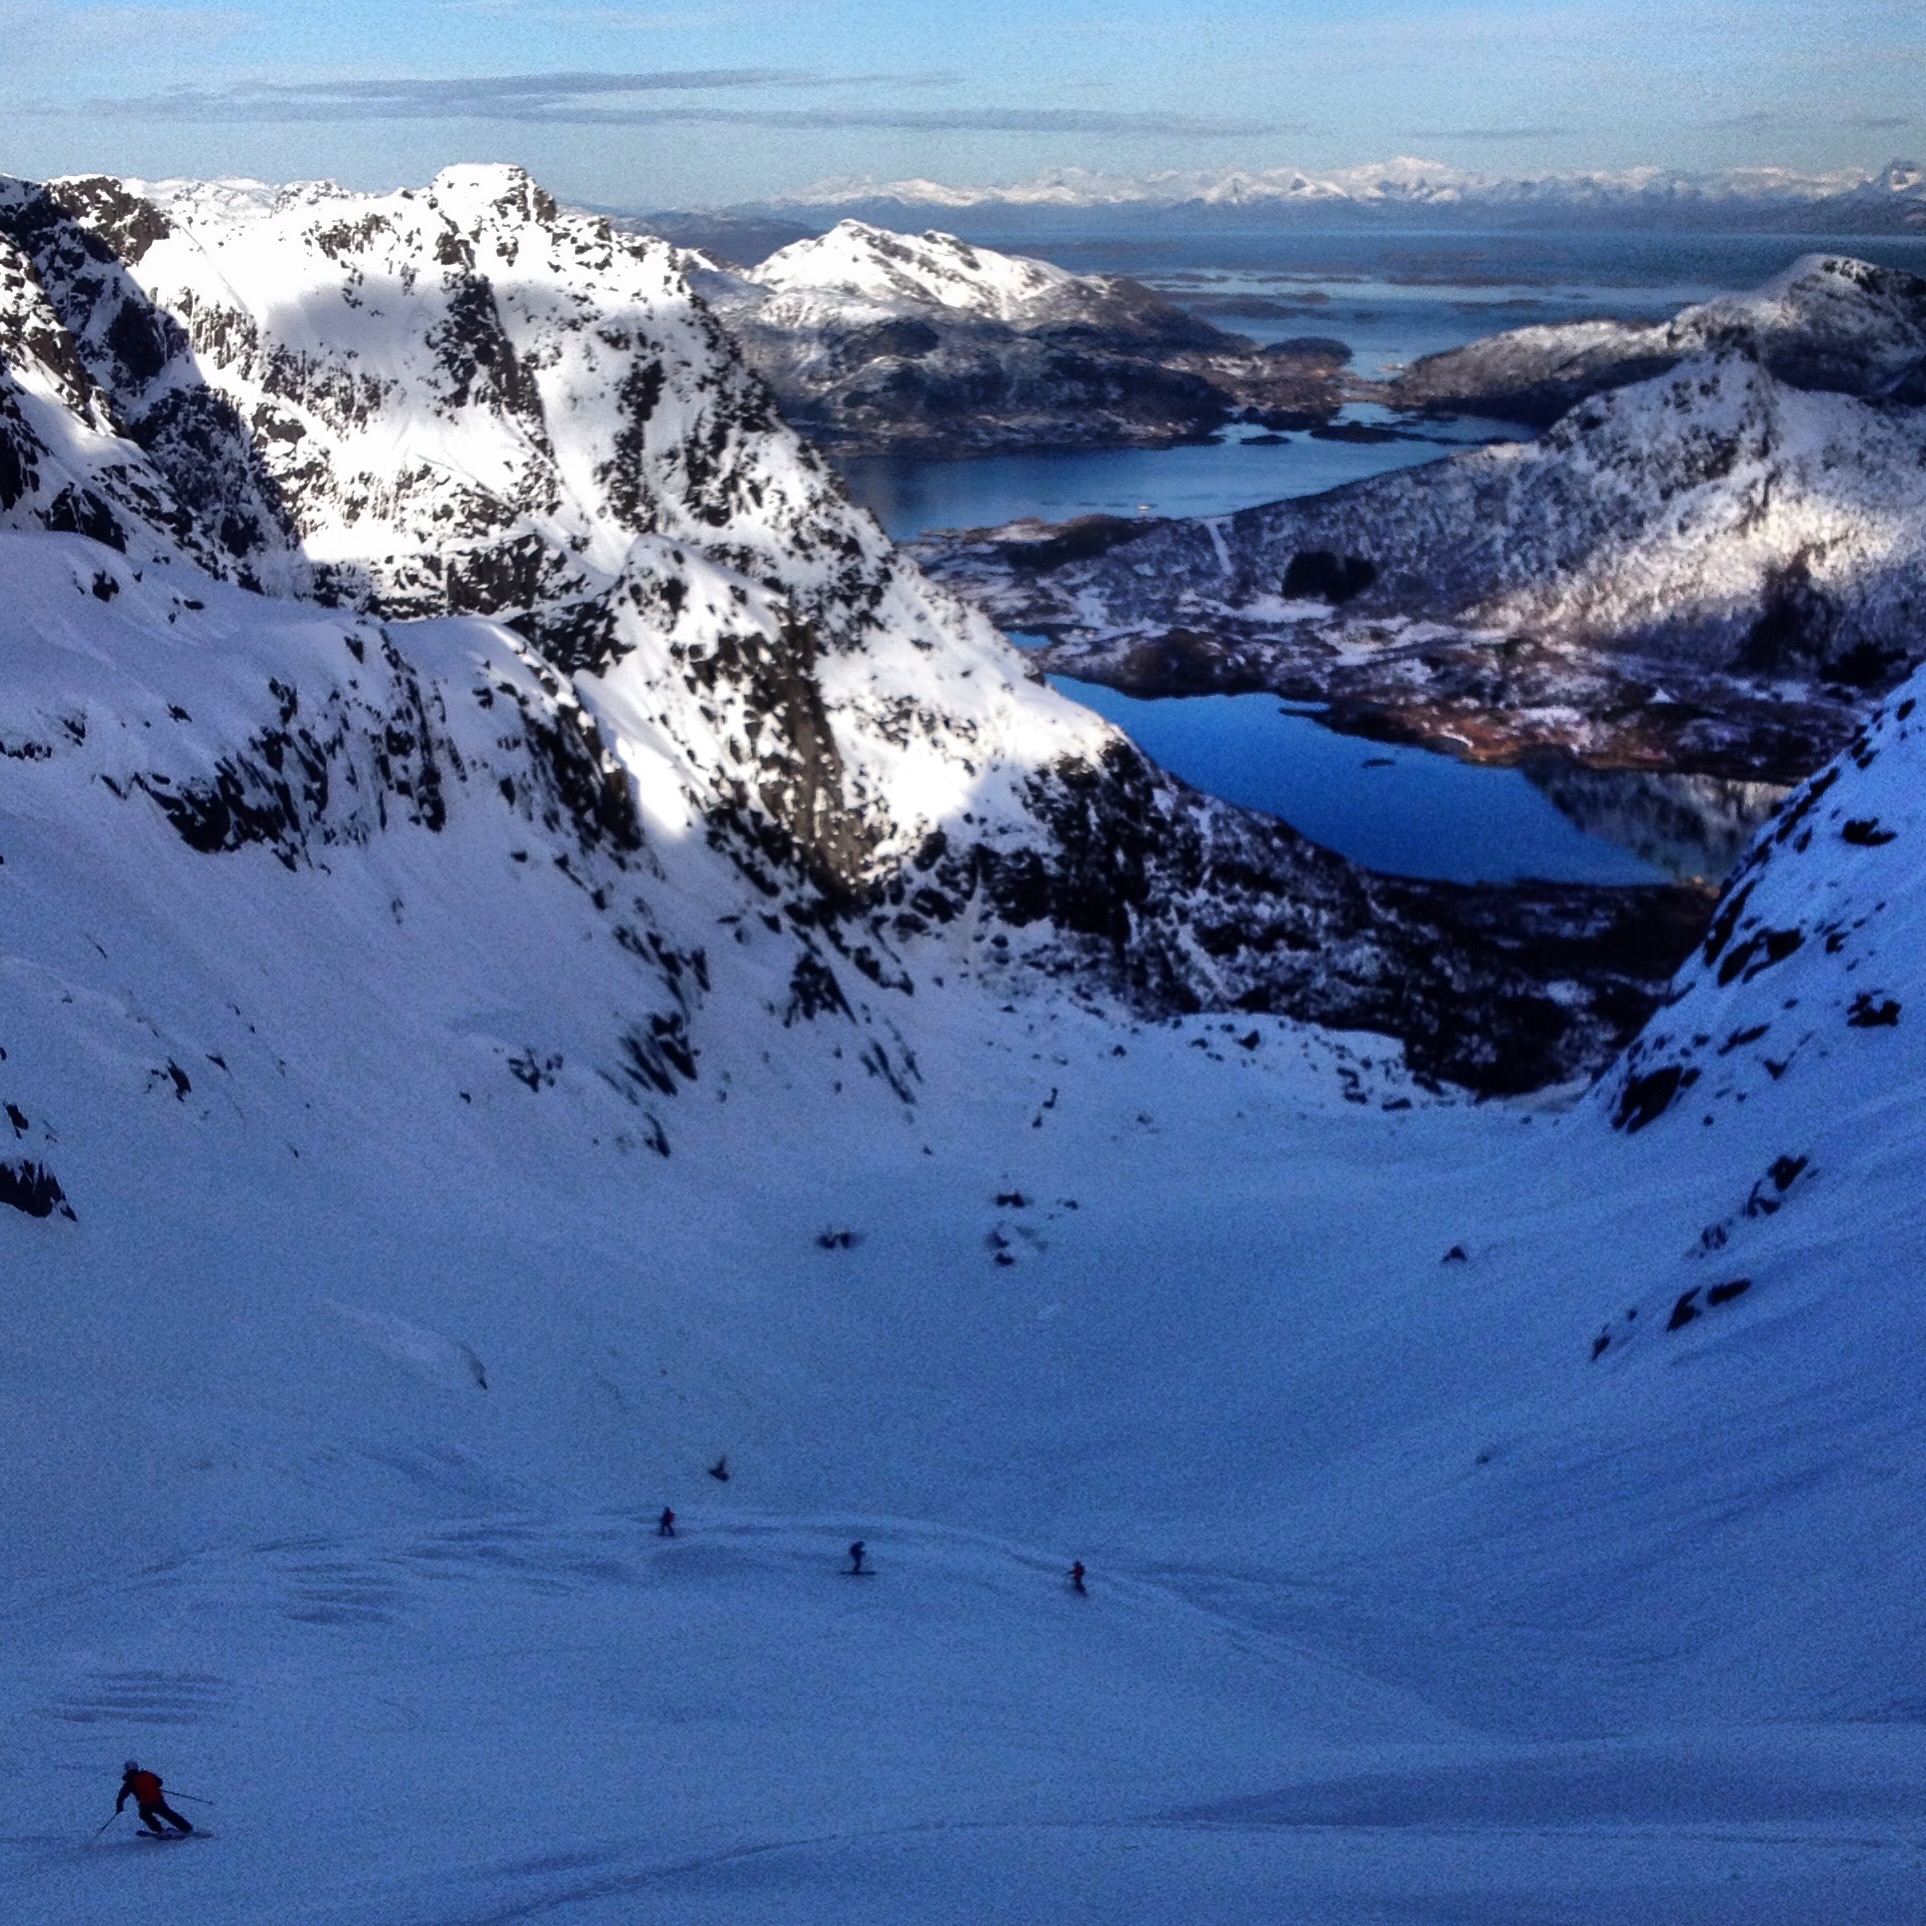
{"x":857,"y":261}
{"x":464,"y":401}
{"x":480,"y":194}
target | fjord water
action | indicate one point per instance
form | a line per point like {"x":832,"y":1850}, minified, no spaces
{"x":1390,"y":297}
{"x":912,"y":496}
{"x":1392,"y":294}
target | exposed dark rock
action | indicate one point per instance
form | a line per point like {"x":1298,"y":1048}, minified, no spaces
{"x":34,"y":1189}
{"x":1870,"y":1011}
{"x":1646,"y":1099}
{"x":1327,"y":577}
{"x":1684,"y":1311}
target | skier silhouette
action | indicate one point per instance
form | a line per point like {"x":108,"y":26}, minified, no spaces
{"x":1076,"y":1579}
{"x":665,"y":1525}
{"x":856,"y":1560}
{"x":144,"y":1788}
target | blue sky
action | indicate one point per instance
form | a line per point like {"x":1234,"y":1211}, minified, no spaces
{"x":689,"y":102}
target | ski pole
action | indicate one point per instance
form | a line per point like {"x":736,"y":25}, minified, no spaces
{"x":193,"y":1798}
{"x":108,"y":1821}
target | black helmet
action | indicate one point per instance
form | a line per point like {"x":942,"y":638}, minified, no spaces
{"x":132,"y":1765}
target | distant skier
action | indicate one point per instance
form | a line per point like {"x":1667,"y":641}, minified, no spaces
{"x":665,"y":1525}
{"x":144,"y":1788}
{"x":1076,"y":1579}
{"x":856,"y":1560}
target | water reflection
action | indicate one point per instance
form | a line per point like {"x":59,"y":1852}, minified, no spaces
{"x":1693,"y":828}
{"x":1412,"y":812}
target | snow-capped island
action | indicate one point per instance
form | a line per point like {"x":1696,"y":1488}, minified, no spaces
{"x":875,"y":342}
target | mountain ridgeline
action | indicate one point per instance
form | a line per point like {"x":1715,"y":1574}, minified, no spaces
{"x":466,"y":402}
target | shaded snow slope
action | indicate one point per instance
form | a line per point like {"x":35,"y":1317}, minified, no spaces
{"x":1649,"y":582}
{"x":355,"y":1382}
{"x":1807,"y":964}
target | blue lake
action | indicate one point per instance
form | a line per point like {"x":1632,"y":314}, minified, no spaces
{"x":1405,"y":811}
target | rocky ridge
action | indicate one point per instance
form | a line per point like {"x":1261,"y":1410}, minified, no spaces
{"x":1827,"y":323}
{"x":1807,"y":959}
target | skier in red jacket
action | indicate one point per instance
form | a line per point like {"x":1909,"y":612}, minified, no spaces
{"x":144,"y":1788}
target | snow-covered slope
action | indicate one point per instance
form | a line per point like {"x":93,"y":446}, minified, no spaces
{"x":1650,"y":582}
{"x":444,"y":1122}
{"x":1827,"y":322}
{"x":383,"y":1327}
{"x":862,"y":263}
{"x":875,"y":340}
{"x":1808,"y":959}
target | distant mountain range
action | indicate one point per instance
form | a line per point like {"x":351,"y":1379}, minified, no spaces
{"x":1847,"y":200}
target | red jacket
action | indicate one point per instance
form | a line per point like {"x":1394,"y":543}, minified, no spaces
{"x":145,"y":1786}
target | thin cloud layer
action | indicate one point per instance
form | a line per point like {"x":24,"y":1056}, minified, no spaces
{"x":1489,"y":133}
{"x":604,"y":100}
